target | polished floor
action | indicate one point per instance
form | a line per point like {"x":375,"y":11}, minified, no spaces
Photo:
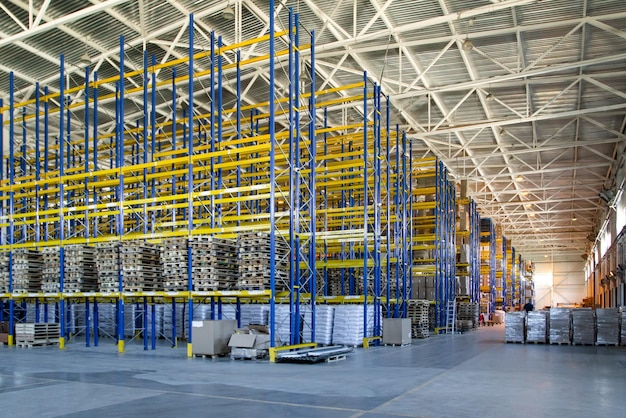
{"x":469,"y":375}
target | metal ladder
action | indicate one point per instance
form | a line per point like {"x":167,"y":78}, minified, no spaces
{"x":451,"y":317}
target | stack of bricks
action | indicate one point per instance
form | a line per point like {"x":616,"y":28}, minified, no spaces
{"x":174,"y":264}
{"x":80,"y":269}
{"x":51,"y":269}
{"x":108,"y":266}
{"x":214,"y":263}
{"x":141,"y":266}
{"x":27,"y":270}
{"x":254,"y":262}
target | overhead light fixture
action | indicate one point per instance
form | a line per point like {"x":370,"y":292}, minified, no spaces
{"x":228,"y":13}
{"x":85,"y":59}
{"x":524,"y":193}
{"x":519,"y":178}
{"x":489,"y":97}
{"x":574,"y":218}
{"x":467,"y":45}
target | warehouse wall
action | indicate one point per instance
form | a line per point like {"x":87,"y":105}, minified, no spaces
{"x":559,"y":280}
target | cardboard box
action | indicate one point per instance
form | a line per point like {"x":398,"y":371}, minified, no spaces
{"x":396,"y":331}
{"x":211,"y":337}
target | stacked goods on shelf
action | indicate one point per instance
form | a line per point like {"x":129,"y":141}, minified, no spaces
{"x":536,"y":326}
{"x":29,"y":334}
{"x":324,"y":316}
{"x":4,"y":271}
{"x":135,"y":315}
{"x":475,"y":314}
{"x":254,"y":262}
{"x":27,"y":270}
{"x":583,"y":326}
{"x":425,"y":287}
{"x":77,"y":320}
{"x":214,"y":263}
{"x":108,"y":266}
{"x":182,"y":319}
{"x":417,"y":311}
{"x":431,"y":316}
{"x":499,"y":267}
{"x":508,"y":295}
{"x":514,"y":329}
{"x":349,"y":322}
{"x":464,"y":317}
{"x":141,"y":266}
{"x":107,"y":321}
{"x":334,"y":282}
{"x":608,"y":326}
{"x":80,"y":269}
{"x":254,"y":314}
{"x":31,"y":312}
{"x":283,"y":323}
{"x":174,"y":264}
{"x":51,"y":273}
{"x":559,"y":325}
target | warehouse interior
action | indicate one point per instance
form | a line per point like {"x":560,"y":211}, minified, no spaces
{"x":382,"y":187}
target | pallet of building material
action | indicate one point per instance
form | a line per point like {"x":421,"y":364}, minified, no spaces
{"x":32,"y":334}
{"x":583,"y":326}
{"x":349,"y":324}
{"x":4,"y":271}
{"x":324,"y":316}
{"x":608,"y":330}
{"x":108,"y":266}
{"x":174,"y":266}
{"x":141,"y":266}
{"x":80,"y":270}
{"x":515,"y":327}
{"x":27,"y":270}
{"x":559,"y":325}
{"x":51,"y":272}
{"x":537,"y":327}
{"x":254,"y":314}
{"x":417,"y":311}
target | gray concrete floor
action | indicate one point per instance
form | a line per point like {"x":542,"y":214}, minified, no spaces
{"x":470,"y":375}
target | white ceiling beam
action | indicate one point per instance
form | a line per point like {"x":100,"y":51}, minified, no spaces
{"x":72,"y":17}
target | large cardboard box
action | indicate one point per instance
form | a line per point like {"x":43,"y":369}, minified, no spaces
{"x":397,"y":331}
{"x":212,"y":337}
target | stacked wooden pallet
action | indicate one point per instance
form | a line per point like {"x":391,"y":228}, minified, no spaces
{"x":254,"y":262}
{"x":334,"y":282}
{"x":51,"y":269}
{"x":80,"y":269}
{"x":141,"y":266}
{"x":27,"y":270}
{"x":30,"y":334}
{"x":4,"y":272}
{"x":464,"y":317}
{"x":174,"y":264}
{"x":417,"y":311}
{"x":108,"y":266}
{"x":214,"y":263}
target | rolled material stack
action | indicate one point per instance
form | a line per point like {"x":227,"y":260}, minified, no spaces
{"x":559,"y":325}
{"x":514,"y":327}
{"x":537,"y":327}
{"x":583,"y":326}
{"x":608,"y":326}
